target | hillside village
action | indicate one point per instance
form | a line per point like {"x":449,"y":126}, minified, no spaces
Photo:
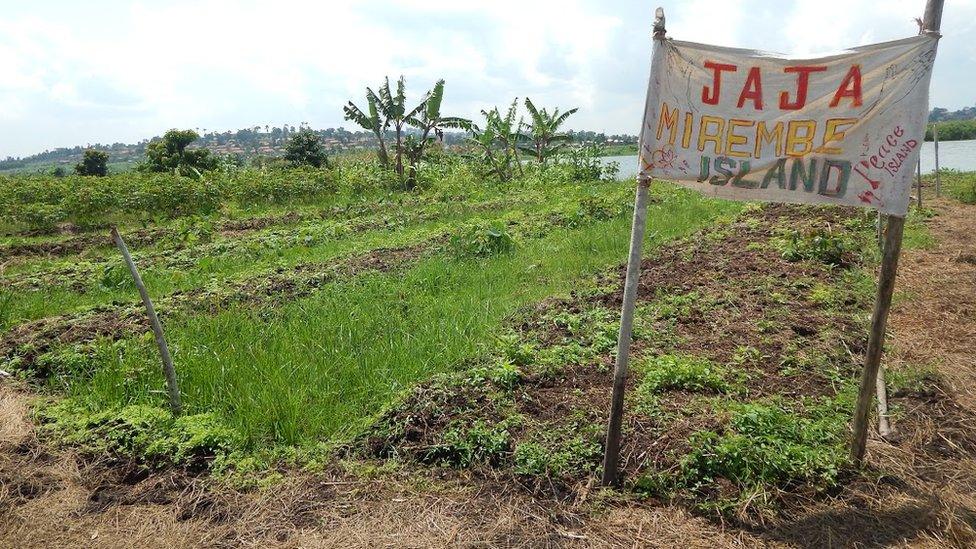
{"x":248,"y":143}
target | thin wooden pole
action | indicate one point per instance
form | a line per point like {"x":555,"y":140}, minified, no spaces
{"x":872,"y":362}
{"x":881,"y":388}
{"x":612,"y":450}
{"x":919,"y":179}
{"x":611,"y":453}
{"x":882,"y":306}
{"x":176,"y":405}
{"x":935,"y":141}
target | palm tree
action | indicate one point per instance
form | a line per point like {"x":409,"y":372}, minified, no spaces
{"x":544,"y":131}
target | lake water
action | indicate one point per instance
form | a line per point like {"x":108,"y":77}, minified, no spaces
{"x":956,"y":155}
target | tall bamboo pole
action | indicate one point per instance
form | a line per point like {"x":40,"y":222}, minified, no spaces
{"x":612,"y":450}
{"x":886,"y":287}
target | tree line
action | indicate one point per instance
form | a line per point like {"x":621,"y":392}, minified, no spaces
{"x":402,"y":135}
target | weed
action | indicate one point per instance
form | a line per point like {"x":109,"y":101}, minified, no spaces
{"x":482,"y":240}
{"x":681,"y":372}
{"x":960,"y":185}
{"x":6,"y":308}
{"x":570,"y":450}
{"x":826,"y":246}
{"x":504,"y":374}
{"x":148,"y":434}
{"x":766,"y":444}
{"x":913,"y":379}
{"x":479,"y":443}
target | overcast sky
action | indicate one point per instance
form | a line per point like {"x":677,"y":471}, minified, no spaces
{"x":73,"y":73}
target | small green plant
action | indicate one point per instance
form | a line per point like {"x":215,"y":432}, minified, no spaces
{"x":147,"y":433}
{"x":577,"y":455}
{"x":517,"y":351}
{"x":913,"y":379}
{"x":482,"y":240}
{"x":192,"y":230}
{"x":768,"y":445}
{"x":826,"y":246}
{"x":961,"y":185}
{"x":681,"y":372}
{"x":115,"y":275}
{"x":569,"y":450}
{"x":480,"y":443}
{"x":598,"y":207}
{"x":503,"y":374}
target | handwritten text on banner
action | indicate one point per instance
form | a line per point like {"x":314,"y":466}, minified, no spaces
{"x":749,"y":125}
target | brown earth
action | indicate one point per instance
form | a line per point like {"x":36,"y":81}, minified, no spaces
{"x":920,"y":492}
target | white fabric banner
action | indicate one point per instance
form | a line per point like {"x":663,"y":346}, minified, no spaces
{"x":751,"y":125}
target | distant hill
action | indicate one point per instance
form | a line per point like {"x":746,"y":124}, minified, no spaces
{"x":246,"y":143}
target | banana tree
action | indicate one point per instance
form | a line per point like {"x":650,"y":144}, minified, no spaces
{"x":387,"y":111}
{"x":499,"y":141}
{"x":372,"y":122}
{"x":546,"y":139}
{"x":427,"y":118}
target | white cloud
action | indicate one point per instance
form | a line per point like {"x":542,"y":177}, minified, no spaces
{"x":119,"y":71}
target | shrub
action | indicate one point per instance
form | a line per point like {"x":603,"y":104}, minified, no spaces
{"x":588,"y":165}
{"x":482,"y":240}
{"x":306,"y":149}
{"x":170,"y":154}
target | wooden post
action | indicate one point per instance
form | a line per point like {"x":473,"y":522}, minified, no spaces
{"x":176,"y":405}
{"x":919,"y":179}
{"x":935,"y":142}
{"x":881,"y":388}
{"x":611,"y":452}
{"x":886,"y":287}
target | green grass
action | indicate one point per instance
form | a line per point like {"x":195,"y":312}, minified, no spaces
{"x":321,"y":367}
{"x":73,"y":284}
{"x":958,"y":185}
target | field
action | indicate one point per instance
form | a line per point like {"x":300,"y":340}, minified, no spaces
{"x":350,"y":353}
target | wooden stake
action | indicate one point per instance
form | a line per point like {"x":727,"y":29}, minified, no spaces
{"x":882,"y":305}
{"x":611,"y":454}
{"x":919,"y":180}
{"x":881,"y":389}
{"x":884,"y":427}
{"x":872,"y":362}
{"x":935,"y":141}
{"x":612,"y":450}
{"x":176,"y":405}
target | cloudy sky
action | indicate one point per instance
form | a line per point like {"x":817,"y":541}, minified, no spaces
{"x":73,"y":73}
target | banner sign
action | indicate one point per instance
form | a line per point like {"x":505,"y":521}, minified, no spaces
{"x":750,"y":125}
